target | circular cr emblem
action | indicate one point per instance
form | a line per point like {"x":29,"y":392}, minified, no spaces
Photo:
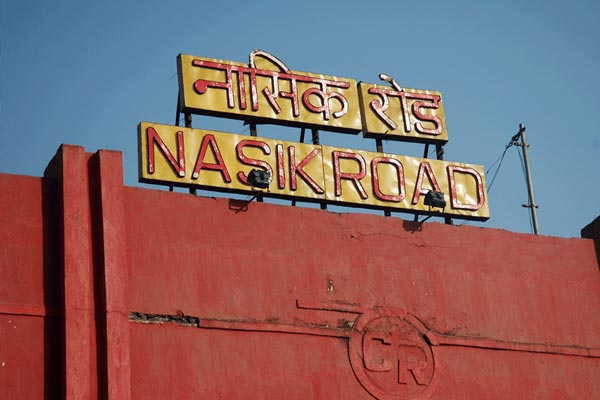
{"x":390,"y":357}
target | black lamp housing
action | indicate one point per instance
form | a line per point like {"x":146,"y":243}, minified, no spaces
{"x":435,"y":199}
{"x":259,"y":178}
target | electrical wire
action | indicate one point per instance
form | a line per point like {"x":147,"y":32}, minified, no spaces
{"x":499,"y":161}
{"x":513,"y":141}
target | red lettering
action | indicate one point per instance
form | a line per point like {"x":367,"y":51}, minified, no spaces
{"x":354,"y":177}
{"x":152,"y":138}
{"x":297,"y":169}
{"x":453,"y":195}
{"x":239,"y":148}
{"x":375,"y":174}
{"x":425,"y":117}
{"x":280,"y":167}
{"x":201,"y":86}
{"x":424,"y":168}
{"x":209,"y":140}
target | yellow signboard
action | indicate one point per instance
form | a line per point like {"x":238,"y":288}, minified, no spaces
{"x":266,"y":90}
{"x":215,"y":160}
{"x":397,"y":113}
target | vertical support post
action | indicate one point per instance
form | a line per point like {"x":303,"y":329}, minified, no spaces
{"x":532,"y":206}
{"x":316,"y":140}
{"x":439,"y":152}
{"x":188,"y":124}
{"x":426,"y":150}
{"x":425,"y":154}
{"x":379,"y":145}
{"x":254,"y":133}
{"x":177,"y":115}
{"x":315,"y":136}
{"x":177,"y":111}
{"x":302,"y":134}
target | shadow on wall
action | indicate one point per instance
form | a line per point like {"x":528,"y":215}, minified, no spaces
{"x":52,"y":279}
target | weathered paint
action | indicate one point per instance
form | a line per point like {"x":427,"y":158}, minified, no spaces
{"x":190,"y":297}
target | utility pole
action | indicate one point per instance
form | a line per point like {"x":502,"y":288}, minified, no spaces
{"x":532,"y":206}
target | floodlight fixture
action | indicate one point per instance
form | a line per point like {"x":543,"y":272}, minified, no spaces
{"x":435,"y":199}
{"x":259,"y":178}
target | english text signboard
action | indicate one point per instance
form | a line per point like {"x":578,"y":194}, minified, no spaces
{"x":222,"y":161}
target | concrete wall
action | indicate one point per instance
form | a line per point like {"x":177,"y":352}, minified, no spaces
{"x":115,"y":292}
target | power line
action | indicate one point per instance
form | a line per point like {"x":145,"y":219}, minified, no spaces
{"x":513,"y":141}
{"x":518,"y":140}
{"x":499,"y":160}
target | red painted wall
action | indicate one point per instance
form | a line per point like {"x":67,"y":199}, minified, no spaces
{"x":115,"y":292}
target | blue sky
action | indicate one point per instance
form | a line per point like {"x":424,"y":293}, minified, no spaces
{"x":87,"y":73}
